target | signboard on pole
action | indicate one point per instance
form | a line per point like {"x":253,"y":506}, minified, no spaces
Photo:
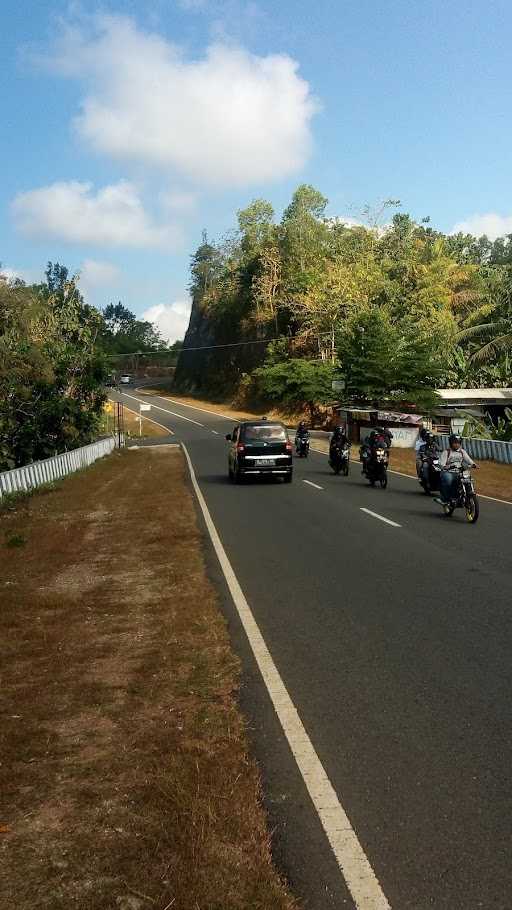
{"x":142,"y":407}
{"x":338,"y":385}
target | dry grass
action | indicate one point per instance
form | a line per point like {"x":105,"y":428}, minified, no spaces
{"x":126,"y":781}
{"x":149,"y":428}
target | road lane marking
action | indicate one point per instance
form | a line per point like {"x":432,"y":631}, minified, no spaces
{"x":381,"y":517}
{"x":215,"y":431}
{"x":166,"y":411}
{"x":311,"y":484}
{"x":503,"y":502}
{"x":352,"y":860}
{"x":205,"y":411}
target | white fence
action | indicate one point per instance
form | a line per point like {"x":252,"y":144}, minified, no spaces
{"x":40,"y":472}
{"x":484,"y":449}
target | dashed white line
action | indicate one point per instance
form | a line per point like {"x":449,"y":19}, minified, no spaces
{"x":311,"y":484}
{"x":352,"y":860}
{"x":381,"y":518}
{"x":216,"y":433}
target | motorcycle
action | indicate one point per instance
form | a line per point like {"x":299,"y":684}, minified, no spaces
{"x":339,"y":459}
{"x":430,"y":471}
{"x":375,"y":466}
{"x":465,"y":498}
{"x":302,"y":446}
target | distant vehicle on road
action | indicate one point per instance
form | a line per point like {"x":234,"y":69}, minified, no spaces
{"x":125,"y":380}
{"x":259,"y":447}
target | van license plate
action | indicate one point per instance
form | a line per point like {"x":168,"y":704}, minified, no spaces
{"x":263,"y":462}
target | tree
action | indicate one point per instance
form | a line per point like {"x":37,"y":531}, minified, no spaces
{"x":387,"y":361}
{"x":305,"y":236}
{"x":488,"y":329}
{"x":123,"y":333}
{"x":51,"y":373}
{"x":296,"y":383}
{"x":118,"y":319}
{"x":255,"y":223}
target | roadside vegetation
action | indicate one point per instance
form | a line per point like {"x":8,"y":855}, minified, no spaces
{"x":126,"y":779}
{"x":393,"y":305}
{"x":56,"y":353}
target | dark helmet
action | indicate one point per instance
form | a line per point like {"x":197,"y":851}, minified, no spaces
{"x":302,"y":425}
{"x":454,"y":437}
{"x":424,"y":433}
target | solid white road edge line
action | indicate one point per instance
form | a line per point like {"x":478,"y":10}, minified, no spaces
{"x":311,"y":484}
{"x":355,"y":867}
{"x":165,"y":410}
{"x":380,"y":517}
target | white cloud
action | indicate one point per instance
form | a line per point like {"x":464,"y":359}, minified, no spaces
{"x":99,"y":274}
{"x":170,"y":319}
{"x":229,"y":118}
{"x":491,"y":224}
{"x":179,"y":202}
{"x":74,"y":212}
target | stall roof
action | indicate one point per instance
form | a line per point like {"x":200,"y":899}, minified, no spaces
{"x":476,"y":396}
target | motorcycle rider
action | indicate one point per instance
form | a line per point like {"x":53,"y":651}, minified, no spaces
{"x":374,"y":439}
{"x":425,"y":445}
{"x":302,"y":432}
{"x":452,"y":460}
{"x":418,"y":445}
{"x":338,"y":439}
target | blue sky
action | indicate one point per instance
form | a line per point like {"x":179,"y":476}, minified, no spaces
{"x":127,"y":128}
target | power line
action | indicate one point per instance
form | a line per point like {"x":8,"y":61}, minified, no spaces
{"x":211,"y":347}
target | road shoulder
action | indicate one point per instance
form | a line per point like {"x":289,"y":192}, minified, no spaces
{"x":127,"y":776}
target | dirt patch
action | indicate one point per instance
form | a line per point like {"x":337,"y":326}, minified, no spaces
{"x":149,"y":427}
{"x":125,"y":778}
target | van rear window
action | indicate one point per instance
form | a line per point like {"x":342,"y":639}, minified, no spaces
{"x":267,"y":433}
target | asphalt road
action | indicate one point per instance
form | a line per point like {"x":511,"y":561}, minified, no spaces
{"x":395,"y":645}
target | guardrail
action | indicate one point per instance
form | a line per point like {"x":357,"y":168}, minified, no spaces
{"x":484,"y":449}
{"x":38,"y":473}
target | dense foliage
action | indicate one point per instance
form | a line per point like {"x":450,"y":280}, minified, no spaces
{"x":399,"y":309}
{"x":51,"y":373}
{"x":123,"y":333}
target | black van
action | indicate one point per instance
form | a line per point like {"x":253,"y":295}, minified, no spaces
{"x":259,"y":447}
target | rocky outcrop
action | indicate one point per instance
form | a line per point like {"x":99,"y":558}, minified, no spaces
{"x":215,"y":354}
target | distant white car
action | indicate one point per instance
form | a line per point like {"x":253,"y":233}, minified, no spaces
{"x":125,"y":380}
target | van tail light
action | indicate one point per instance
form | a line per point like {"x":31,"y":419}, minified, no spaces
{"x":240,"y":447}
{"x":289,"y":447}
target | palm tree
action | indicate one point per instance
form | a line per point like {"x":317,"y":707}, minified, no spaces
{"x":490,"y":326}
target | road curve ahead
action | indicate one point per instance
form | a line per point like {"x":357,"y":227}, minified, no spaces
{"x":390,"y":627}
